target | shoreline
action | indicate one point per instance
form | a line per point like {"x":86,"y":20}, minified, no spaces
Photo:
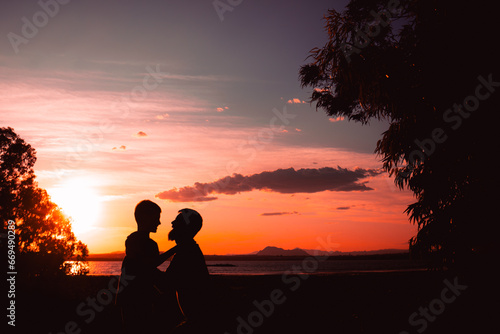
{"x":308,"y":265}
{"x":251,"y":257}
{"x":346,"y":272}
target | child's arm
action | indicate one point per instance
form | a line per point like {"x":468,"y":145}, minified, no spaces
{"x":165,"y":256}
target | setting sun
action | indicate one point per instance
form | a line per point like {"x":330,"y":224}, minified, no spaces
{"x":80,"y":201}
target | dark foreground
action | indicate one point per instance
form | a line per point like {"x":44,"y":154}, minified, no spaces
{"x":412,"y":302}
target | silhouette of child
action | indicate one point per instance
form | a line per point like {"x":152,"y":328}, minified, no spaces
{"x":142,"y":257}
{"x":187,"y":272}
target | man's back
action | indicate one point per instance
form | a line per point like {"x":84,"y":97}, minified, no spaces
{"x":188,"y":264}
{"x":188,"y":274}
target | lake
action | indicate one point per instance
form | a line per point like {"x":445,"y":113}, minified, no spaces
{"x":309,"y":265}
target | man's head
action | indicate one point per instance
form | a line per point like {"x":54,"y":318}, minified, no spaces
{"x":147,"y":216}
{"x":186,"y":225}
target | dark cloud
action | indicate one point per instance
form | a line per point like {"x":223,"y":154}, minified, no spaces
{"x":284,"y":181}
{"x":279,"y":213}
{"x":141,"y":134}
{"x":343,"y":207}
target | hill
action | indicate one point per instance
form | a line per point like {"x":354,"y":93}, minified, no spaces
{"x":355,"y":253}
{"x":276,"y":251}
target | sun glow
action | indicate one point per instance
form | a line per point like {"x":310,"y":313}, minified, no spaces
{"x":79,"y":200}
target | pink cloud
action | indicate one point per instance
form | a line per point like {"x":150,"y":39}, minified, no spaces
{"x":141,"y":134}
{"x":295,"y":101}
{"x":336,"y":119}
{"x":162,"y":116}
{"x":121,"y":148}
{"x":220,"y":109}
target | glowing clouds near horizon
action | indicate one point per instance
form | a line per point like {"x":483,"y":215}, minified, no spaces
{"x":79,"y":201}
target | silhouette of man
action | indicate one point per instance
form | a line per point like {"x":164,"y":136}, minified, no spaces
{"x":142,"y":257}
{"x":187,"y":272}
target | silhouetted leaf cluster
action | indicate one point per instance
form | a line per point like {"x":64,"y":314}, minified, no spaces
{"x":415,"y":65}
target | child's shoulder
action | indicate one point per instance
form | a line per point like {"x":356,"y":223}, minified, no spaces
{"x":133,"y":236}
{"x":139,"y":238}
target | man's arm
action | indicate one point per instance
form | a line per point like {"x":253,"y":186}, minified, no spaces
{"x":165,"y":256}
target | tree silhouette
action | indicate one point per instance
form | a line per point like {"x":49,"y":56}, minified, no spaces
{"x":419,"y":64}
{"x":44,"y":238}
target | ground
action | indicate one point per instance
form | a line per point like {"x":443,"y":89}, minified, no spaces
{"x":397,"y":302}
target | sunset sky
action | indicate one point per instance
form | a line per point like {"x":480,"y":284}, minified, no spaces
{"x":192,"y":106}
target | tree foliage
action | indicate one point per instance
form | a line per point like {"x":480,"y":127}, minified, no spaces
{"x":43,"y":233}
{"x":416,"y":64}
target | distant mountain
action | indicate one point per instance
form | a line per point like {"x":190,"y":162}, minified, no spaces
{"x":379,"y":251}
{"x":276,"y":251}
{"x":373,"y":252}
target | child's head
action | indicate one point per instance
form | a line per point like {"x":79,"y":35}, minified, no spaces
{"x":186,"y":225}
{"x":147,"y":216}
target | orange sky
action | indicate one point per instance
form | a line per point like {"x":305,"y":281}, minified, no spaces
{"x":127,"y":102}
